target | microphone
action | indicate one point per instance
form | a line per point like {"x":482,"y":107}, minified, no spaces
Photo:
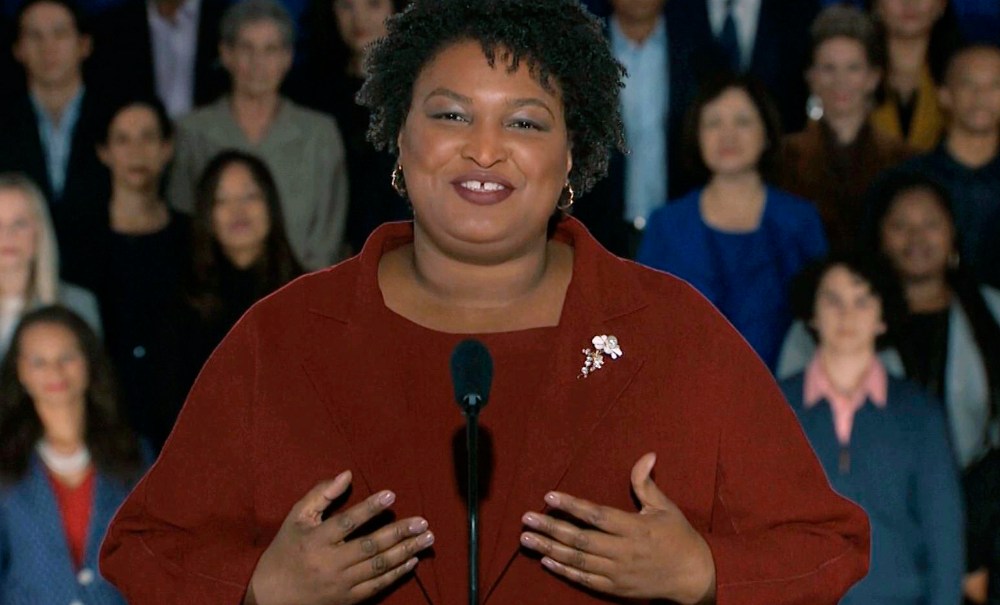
{"x":472,"y":377}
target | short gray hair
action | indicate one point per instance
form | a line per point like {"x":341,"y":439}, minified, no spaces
{"x":843,"y":21}
{"x":245,"y":12}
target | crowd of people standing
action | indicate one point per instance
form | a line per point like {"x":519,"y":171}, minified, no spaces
{"x":826,"y":174}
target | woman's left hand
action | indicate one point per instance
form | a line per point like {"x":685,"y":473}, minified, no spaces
{"x":652,"y":554}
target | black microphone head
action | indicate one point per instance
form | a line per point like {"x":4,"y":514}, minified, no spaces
{"x":471,"y":375}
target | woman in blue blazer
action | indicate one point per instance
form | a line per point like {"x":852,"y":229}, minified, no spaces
{"x":737,"y":240}
{"x":882,"y":441}
{"x":66,"y":462}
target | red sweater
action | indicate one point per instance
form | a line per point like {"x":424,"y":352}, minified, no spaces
{"x":75,"y":504}
{"x":322,"y":377}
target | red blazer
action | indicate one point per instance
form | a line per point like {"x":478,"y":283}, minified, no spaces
{"x":307,"y":385}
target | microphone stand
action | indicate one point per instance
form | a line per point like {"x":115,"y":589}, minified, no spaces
{"x":472,"y":492}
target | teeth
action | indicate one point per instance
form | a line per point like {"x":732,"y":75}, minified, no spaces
{"x":482,"y":186}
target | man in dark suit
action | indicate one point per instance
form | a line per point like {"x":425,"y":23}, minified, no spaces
{"x":167,"y":48}
{"x":768,"y":39}
{"x":660,"y":52}
{"x":50,"y":131}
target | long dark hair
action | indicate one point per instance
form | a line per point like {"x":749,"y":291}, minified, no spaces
{"x":985,"y":330}
{"x":277,"y":264}
{"x":945,"y":38}
{"x":326,"y":50}
{"x":113,"y":447}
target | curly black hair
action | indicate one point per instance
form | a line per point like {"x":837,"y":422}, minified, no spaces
{"x":558,"y":40}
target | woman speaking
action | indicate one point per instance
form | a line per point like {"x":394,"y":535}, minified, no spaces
{"x":313,"y":461}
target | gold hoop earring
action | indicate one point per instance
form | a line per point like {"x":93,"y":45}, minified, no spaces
{"x":397,"y":180}
{"x":565,"y":205}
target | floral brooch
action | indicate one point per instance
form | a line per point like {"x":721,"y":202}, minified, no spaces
{"x":594,"y":358}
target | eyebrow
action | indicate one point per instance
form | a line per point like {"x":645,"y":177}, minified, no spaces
{"x":517,"y":103}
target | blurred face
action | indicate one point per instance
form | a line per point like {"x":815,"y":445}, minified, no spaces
{"x":971,"y":93}
{"x":842,"y":77}
{"x":53,"y":370}
{"x":731,"y":134}
{"x":637,"y":10}
{"x":485,"y":155}
{"x":136,"y":152}
{"x":240,"y":219}
{"x":918,"y":235}
{"x":18,"y":231}
{"x":50,"y":47}
{"x":909,"y":18}
{"x":847,"y":315}
{"x":259,"y":59}
{"x":361,"y":22}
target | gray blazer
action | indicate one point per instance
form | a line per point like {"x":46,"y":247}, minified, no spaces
{"x":305,"y":153}
{"x":966,"y":386}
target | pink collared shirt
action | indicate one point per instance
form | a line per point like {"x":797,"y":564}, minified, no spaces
{"x":874,"y":387}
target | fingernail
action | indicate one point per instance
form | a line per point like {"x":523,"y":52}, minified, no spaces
{"x":528,"y":540}
{"x":530,"y":520}
{"x":418,"y":526}
{"x":342,"y":475}
{"x":386,"y":498}
{"x":426,"y":539}
{"x":552,"y":499}
{"x":411,"y":564}
{"x":550,"y":563}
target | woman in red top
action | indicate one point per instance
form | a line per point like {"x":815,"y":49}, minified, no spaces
{"x":498,"y":111}
{"x":65,"y":459}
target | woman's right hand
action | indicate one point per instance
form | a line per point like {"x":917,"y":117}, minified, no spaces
{"x":311,"y":561}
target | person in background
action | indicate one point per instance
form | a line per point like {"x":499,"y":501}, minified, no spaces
{"x":239,"y":252}
{"x":66,"y":461}
{"x":967,"y":162}
{"x":835,"y":159}
{"x":765,"y":39}
{"x":660,"y":53}
{"x":338,"y":34}
{"x":29,"y":260}
{"x":301,"y":147}
{"x":142,"y":250}
{"x":163,"y":48}
{"x":882,"y":441}
{"x":50,"y":131}
{"x":738,"y":240}
{"x":918,"y":37}
{"x":950,"y":343}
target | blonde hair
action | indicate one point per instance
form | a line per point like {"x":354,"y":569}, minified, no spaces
{"x":43,"y":284}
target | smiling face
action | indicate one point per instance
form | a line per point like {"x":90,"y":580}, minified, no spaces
{"x":258,"y":60}
{"x":842,"y":77}
{"x":918,"y":235}
{"x":847,"y":315}
{"x":361,"y":22}
{"x":971,"y":92}
{"x":731,"y":134}
{"x":240,"y":220}
{"x":50,"y":46}
{"x":136,"y":152}
{"x":18,"y":231}
{"x":52,"y":368}
{"x":485,"y":154}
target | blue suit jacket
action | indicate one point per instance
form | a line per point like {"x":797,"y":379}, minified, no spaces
{"x":35,"y":563}
{"x":903,"y":474}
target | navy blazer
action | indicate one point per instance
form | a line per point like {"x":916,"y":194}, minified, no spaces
{"x":122,"y":65}
{"x":902,"y":472}
{"x":602,"y":210}
{"x":35,"y":563}
{"x":86,"y":191}
{"x":781,"y":51}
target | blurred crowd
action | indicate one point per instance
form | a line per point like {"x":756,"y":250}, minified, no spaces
{"x":827,"y":174}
